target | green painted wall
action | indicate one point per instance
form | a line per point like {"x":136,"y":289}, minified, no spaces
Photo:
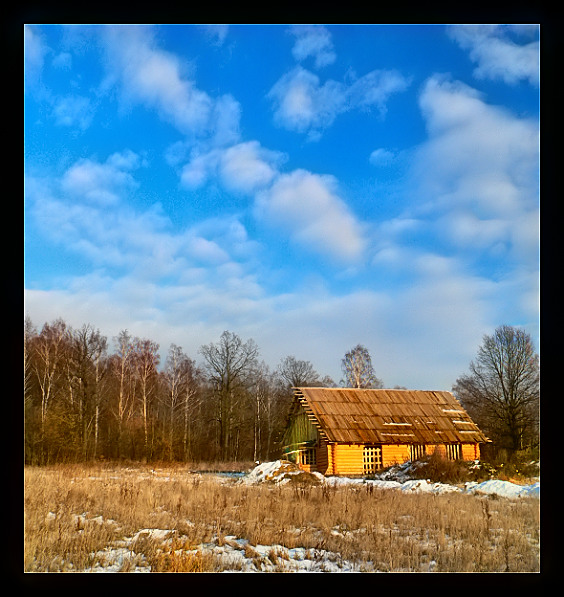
{"x":299,"y":434}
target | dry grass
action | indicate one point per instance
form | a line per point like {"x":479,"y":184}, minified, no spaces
{"x":74,"y":513}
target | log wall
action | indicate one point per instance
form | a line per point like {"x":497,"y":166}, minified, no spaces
{"x":347,"y":459}
{"x":470,"y":451}
{"x":394,"y":454}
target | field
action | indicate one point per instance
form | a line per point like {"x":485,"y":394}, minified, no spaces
{"x":109,"y":518}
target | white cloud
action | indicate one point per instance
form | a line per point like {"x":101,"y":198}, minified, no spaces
{"x":497,"y":56}
{"x":375,"y":89}
{"x":476,"y":184}
{"x":314,"y":41}
{"x":157,"y":79}
{"x":73,"y":111}
{"x":73,"y":213}
{"x":465,"y":229}
{"x":478,"y":157}
{"x":248,"y":166}
{"x":308,"y":208}
{"x":302,"y":104}
{"x":225,"y":121}
{"x":245,"y":167}
{"x":198,"y":170}
{"x":381,"y":157}
{"x":101,"y":183}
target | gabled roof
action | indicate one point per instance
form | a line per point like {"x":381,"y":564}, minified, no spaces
{"x":347,"y":415}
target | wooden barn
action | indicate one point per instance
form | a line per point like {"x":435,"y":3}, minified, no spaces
{"x":344,"y":431}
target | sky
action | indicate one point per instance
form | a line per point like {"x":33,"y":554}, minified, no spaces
{"x":311,"y":187}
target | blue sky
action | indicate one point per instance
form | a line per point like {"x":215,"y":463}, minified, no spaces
{"x":310,"y":187}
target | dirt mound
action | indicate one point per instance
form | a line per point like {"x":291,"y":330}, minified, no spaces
{"x":281,"y":472}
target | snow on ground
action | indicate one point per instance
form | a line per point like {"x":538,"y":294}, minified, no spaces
{"x":243,"y":557}
{"x":235,"y":554}
{"x":281,"y":471}
{"x":504,"y":488}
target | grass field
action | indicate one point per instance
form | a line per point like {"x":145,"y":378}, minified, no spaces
{"x":106,"y":518}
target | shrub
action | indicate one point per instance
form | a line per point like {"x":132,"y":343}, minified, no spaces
{"x":438,"y":469}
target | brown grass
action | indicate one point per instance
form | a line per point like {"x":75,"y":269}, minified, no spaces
{"x":379,"y":529}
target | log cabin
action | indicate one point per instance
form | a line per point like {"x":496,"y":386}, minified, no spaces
{"x":356,"y":432}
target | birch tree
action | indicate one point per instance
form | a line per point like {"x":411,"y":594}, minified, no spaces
{"x":190,"y":402}
{"x":145,"y":360}
{"x":358,"y":370}
{"x":122,"y":370}
{"x":47,"y":364}
{"x":181,"y":380}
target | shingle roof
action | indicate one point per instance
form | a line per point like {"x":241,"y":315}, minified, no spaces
{"x":349,"y":415}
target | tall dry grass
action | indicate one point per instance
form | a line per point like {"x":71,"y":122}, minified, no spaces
{"x":72,"y":513}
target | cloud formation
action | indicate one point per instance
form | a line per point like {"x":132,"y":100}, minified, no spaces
{"x":314,"y":41}
{"x":72,"y":211}
{"x":478,"y":158}
{"x":303,"y":104}
{"x":497,"y":55}
{"x":475,"y":180}
{"x":157,"y":79}
{"x":73,"y":111}
{"x":245,"y":167}
{"x":309,"y":209}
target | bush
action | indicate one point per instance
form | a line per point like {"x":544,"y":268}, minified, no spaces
{"x":438,"y":469}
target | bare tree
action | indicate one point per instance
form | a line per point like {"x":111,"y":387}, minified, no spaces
{"x":145,"y":360}
{"x":190,"y":402}
{"x":501,"y":391}
{"x":48,"y":347}
{"x":174,"y":376}
{"x":228,"y":363}
{"x":87,"y":352}
{"x":297,"y":373}
{"x":100,"y":369}
{"x":263,"y":389}
{"x":122,"y":370}
{"x":29,"y":333}
{"x":358,"y":370}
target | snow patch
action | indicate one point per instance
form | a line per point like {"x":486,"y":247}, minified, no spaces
{"x":397,"y":477}
{"x":504,"y":488}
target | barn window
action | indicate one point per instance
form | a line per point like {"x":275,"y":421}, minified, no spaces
{"x":372,"y":458}
{"x":308,"y":456}
{"x":417,"y":451}
{"x":454,"y":451}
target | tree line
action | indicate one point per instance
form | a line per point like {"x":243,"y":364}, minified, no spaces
{"x":83,"y":401}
